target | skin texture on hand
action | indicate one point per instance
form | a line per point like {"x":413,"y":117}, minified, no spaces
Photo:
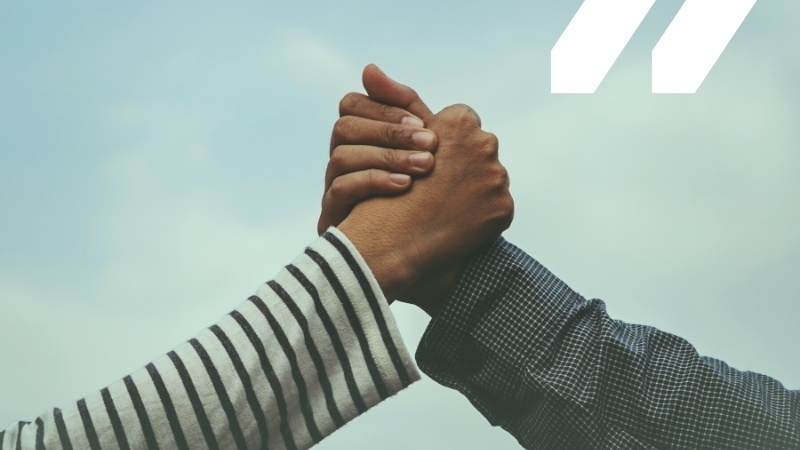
{"x":376,"y":150}
{"x":415,"y":246}
{"x":463,"y":204}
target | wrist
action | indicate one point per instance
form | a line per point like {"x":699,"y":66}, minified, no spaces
{"x":390,"y":267}
{"x":433,"y":289}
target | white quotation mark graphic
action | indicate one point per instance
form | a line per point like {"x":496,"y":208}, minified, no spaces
{"x":682,"y":59}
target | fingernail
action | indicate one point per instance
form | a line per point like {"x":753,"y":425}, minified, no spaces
{"x":413,"y":121}
{"x":400,"y":179}
{"x":423,"y":139}
{"x":421,"y":159}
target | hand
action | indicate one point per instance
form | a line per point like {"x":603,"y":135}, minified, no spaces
{"x":363,"y":161}
{"x":392,"y":269}
{"x":462,"y":205}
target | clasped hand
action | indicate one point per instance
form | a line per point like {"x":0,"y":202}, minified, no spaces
{"x":412,"y":219}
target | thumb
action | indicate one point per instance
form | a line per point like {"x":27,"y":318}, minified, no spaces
{"x":383,"y":89}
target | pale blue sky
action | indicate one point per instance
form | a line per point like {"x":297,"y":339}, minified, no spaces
{"x":159,"y":161}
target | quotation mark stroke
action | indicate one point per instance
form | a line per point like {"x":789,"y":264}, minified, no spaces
{"x":682,"y":59}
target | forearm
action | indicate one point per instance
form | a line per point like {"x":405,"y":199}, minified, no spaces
{"x":314,"y":348}
{"x":554,"y":370}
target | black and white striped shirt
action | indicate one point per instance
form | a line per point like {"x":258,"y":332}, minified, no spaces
{"x":315,"y":347}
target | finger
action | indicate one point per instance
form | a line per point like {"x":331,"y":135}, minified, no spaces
{"x":351,"y":130}
{"x":359,"y":105}
{"x":385,"y":90}
{"x":351,"y":188}
{"x":354,"y":158}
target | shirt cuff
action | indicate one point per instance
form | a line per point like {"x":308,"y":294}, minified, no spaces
{"x":380,"y":328}
{"x":504,"y":309}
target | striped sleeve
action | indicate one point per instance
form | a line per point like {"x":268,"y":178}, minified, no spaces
{"x":313,"y":348}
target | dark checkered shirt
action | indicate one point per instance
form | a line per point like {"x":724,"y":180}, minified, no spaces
{"x":554,"y":370}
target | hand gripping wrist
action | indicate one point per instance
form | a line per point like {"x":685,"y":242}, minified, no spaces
{"x":392,"y":267}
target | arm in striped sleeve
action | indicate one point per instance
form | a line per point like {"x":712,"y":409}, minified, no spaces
{"x":553,"y":369}
{"x":315,"y":347}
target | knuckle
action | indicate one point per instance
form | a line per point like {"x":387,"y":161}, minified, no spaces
{"x":387,"y":113}
{"x":449,"y":112}
{"x":337,"y":189}
{"x":495,"y":180}
{"x":488,"y":144}
{"x":389,"y":158}
{"x":462,"y":112}
{"x":391,"y":135}
{"x":338,"y":157}
{"x":342,"y":127}
{"x":349,"y":102}
{"x":465,"y":114}
{"x":491,"y":141}
{"x":369,"y":179}
{"x":502,"y":174}
{"x":499,"y":177}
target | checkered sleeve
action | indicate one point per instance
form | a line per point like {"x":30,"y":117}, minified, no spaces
{"x":554,"y":370}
